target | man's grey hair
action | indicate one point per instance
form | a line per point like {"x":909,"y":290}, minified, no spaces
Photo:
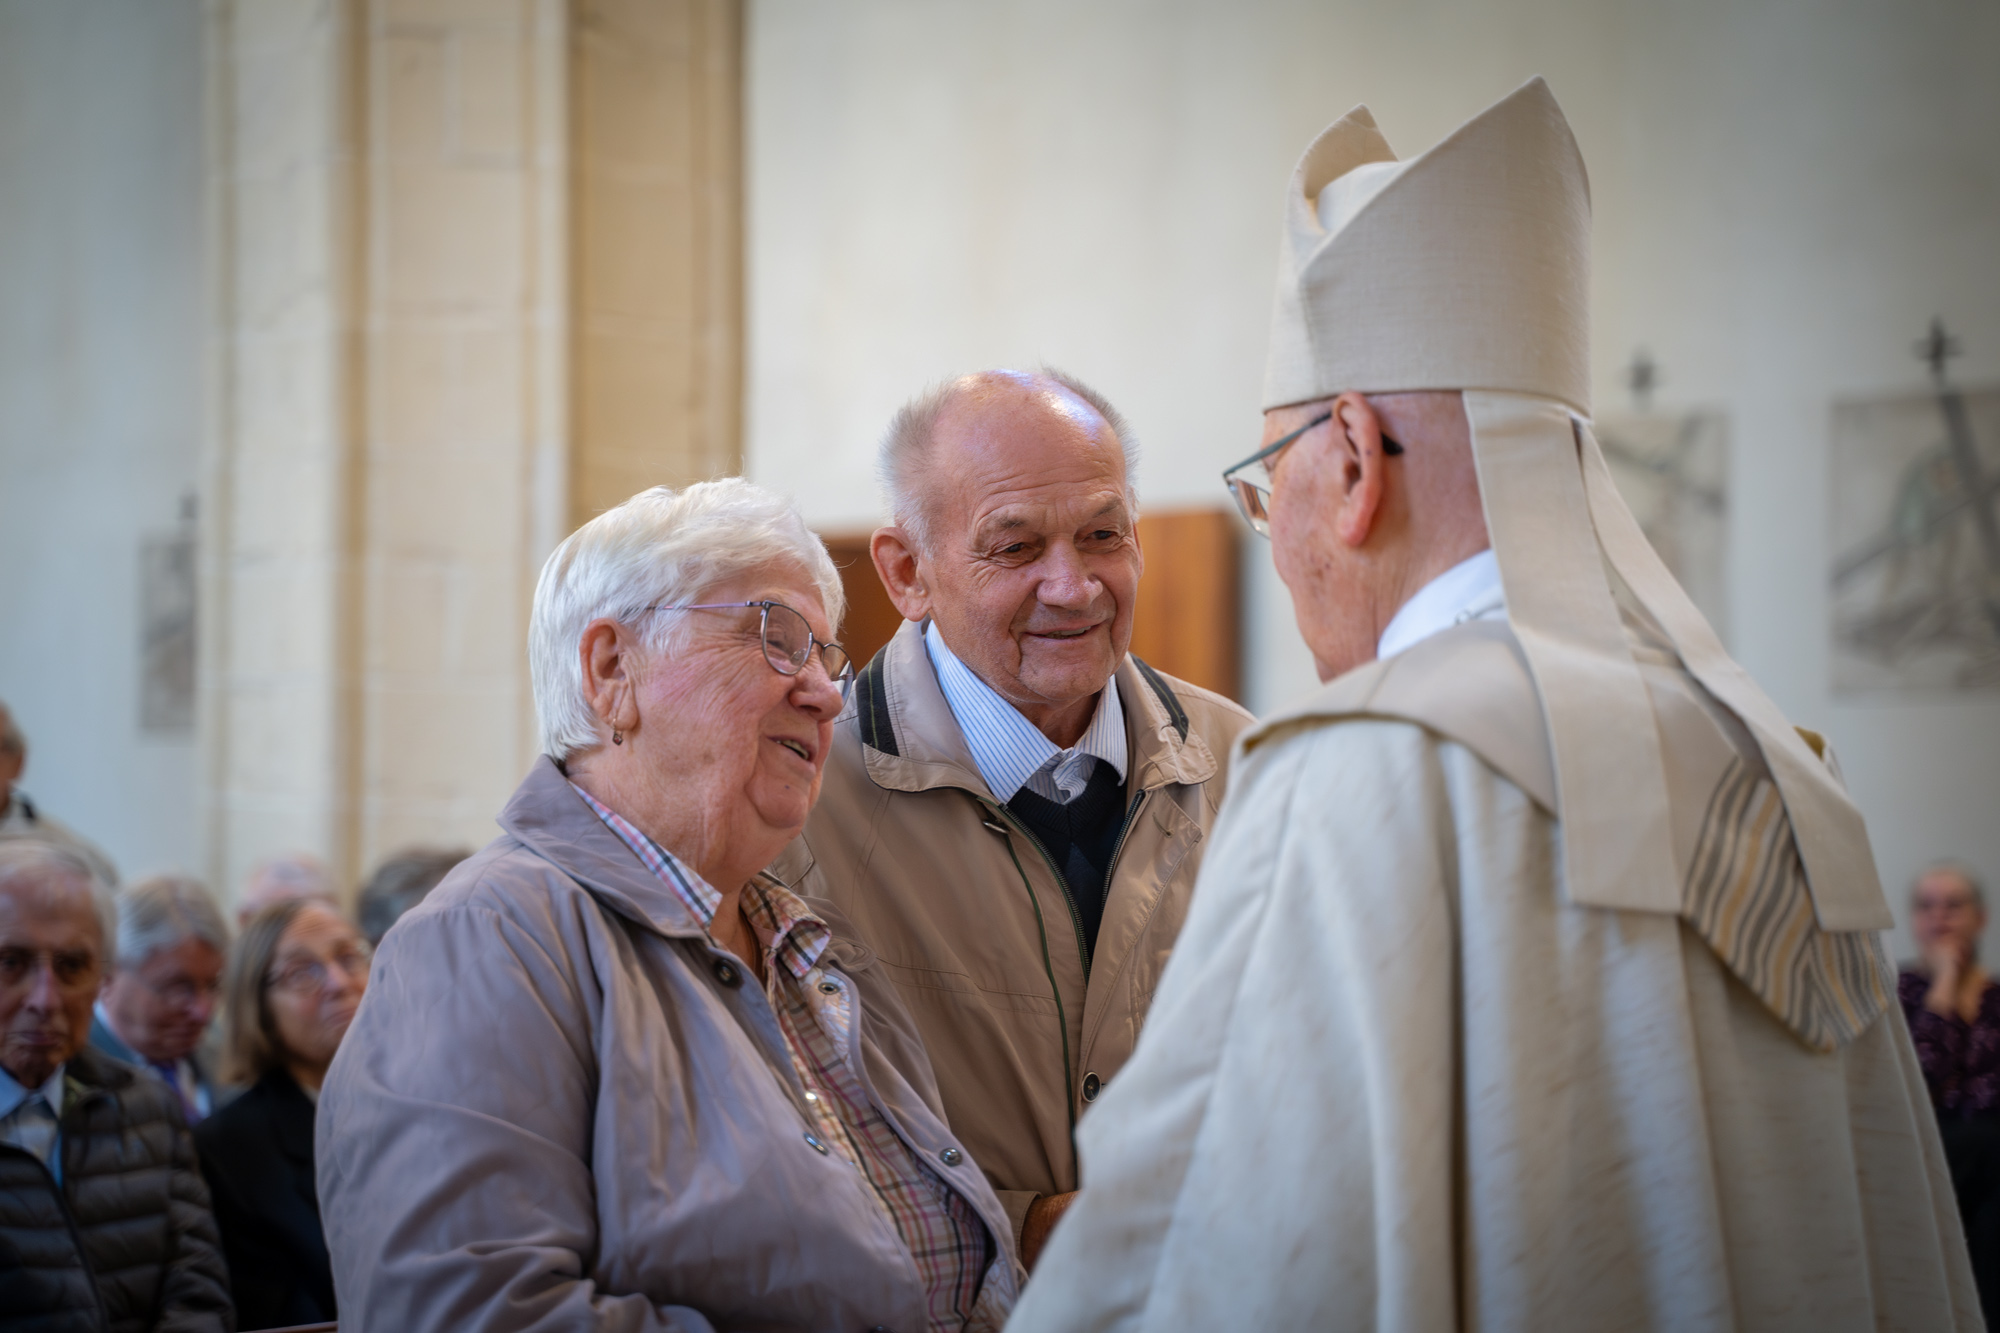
{"x":661,"y":547}
{"x":1958,"y":868}
{"x":160,"y":912}
{"x":34,"y":861}
{"x":906,"y":448}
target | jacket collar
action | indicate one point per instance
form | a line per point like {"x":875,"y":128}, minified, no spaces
{"x":551,"y":820}
{"x":109,"y":1042}
{"x":911,"y":741}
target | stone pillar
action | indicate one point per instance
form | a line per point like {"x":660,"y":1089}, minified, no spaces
{"x":413,"y":400}
{"x":275,"y":701}
{"x":656,"y":225}
{"x":462,"y":406}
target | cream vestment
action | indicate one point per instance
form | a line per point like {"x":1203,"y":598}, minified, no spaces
{"x":1532,"y":981}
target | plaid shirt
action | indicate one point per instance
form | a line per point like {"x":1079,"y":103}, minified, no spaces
{"x":968,"y":1281}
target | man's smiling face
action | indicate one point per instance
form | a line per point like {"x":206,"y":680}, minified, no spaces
{"x":1034,"y":562}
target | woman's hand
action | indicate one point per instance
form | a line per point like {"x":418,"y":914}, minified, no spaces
{"x":1953,"y":974}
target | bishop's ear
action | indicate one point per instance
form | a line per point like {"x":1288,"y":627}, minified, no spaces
{"x":894,"y":551}
{"x":1360,"y":459}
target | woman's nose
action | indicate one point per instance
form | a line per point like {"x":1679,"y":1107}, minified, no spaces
{"x":814,"y":691}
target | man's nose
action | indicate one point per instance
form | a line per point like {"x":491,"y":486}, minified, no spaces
{"x":44,"y":995}
{"x":1066,"y":579}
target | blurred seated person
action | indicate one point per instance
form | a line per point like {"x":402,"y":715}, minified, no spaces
{"x":279,"y":879}
{"x":294,"y":982}
{"x":104,"y":1220}
{"x":400,"y":883}
{"x":608,"y":1074}
{"x":1953,"y":1007}
{"x":21,"y":818}
{"x":166,"y":977}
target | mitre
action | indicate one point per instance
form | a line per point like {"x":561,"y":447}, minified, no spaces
{"x":1468,"y":268}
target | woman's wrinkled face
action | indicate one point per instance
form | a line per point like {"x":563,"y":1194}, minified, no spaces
{"x":744,"y":743}
{"x":314,"y":985}
{"x":1946,"y":911}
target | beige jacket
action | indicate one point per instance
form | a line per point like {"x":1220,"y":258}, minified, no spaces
{"x":560,"y":1107}
{"x":1394,"y":1081}
{"x":909,"y":852}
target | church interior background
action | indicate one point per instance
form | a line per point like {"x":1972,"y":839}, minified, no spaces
{"x":322,"y":321}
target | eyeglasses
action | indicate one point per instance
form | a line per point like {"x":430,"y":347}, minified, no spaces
{"x":182,"y":993}
{"x":788,"y":641}
{"x":1250,"y":480}
{"x":308,"y":976}
{"x":73,"y":969}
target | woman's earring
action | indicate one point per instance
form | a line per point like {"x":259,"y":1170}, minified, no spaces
{"x":617,"y":738}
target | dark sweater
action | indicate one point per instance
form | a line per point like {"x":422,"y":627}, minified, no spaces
{"x":257,"y":1153}
{"x":125,"y":1243}
{"x":1080,"y":838}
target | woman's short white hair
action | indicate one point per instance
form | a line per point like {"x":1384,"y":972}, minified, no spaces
{"x":661,"y":547}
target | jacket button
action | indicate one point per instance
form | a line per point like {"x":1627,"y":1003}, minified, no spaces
{"x":813,"y":1141}
{"x":951,"y":1157}
{"x":727,"y":973}
{"x":829,"y":988}
{"x":1092,"y":1085}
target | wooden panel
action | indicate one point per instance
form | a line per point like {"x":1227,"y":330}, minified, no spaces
{"x":1188,"y":621}
{"x":872,"y":619}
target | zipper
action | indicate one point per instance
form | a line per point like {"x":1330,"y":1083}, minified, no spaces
{"x":1062,"y":885}
{"x":1048,"y":968}
{"x":1118,"y":848}
{"x":69,"y":1221}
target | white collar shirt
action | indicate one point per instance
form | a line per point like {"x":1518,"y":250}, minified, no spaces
{"x":1469,"y":590}
{"x":33,"y":1128}
{"x":1010,"y":751}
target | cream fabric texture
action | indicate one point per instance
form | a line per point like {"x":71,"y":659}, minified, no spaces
{"x":1468,"y":268}
{"x":1392,"y":1080}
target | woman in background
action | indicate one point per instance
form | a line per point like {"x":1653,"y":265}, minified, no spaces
{"x":294,"y":983}
{"x":1953,"y":1008}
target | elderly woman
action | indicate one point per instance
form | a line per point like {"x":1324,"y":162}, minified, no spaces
{"x":1953,"y":1007}
{"x":608,"y":1074}
{"x":294,"y":982}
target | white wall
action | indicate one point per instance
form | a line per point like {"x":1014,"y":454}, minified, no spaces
{"x":1785,"y":194}
{"x":100,"y":395}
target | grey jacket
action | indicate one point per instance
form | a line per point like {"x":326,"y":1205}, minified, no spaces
{"x":560,"y":1108}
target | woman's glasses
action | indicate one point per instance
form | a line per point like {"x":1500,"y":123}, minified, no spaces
{"x":309,"y":975}
{"x":788,"y":641}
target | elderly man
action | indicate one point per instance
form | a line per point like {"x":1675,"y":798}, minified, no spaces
{"x":1534,"y":981}
{"x":166,"y":977}
{"x":21,"y":818}
{"x":1015,"y":807}
{"x":104,"y":1219}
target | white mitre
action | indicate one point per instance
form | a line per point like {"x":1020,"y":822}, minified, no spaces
{"x":1468,"y":268}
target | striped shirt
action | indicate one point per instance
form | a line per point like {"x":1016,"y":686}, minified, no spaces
{"x":968,"y":1281}
{"x":1011,"y":751}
